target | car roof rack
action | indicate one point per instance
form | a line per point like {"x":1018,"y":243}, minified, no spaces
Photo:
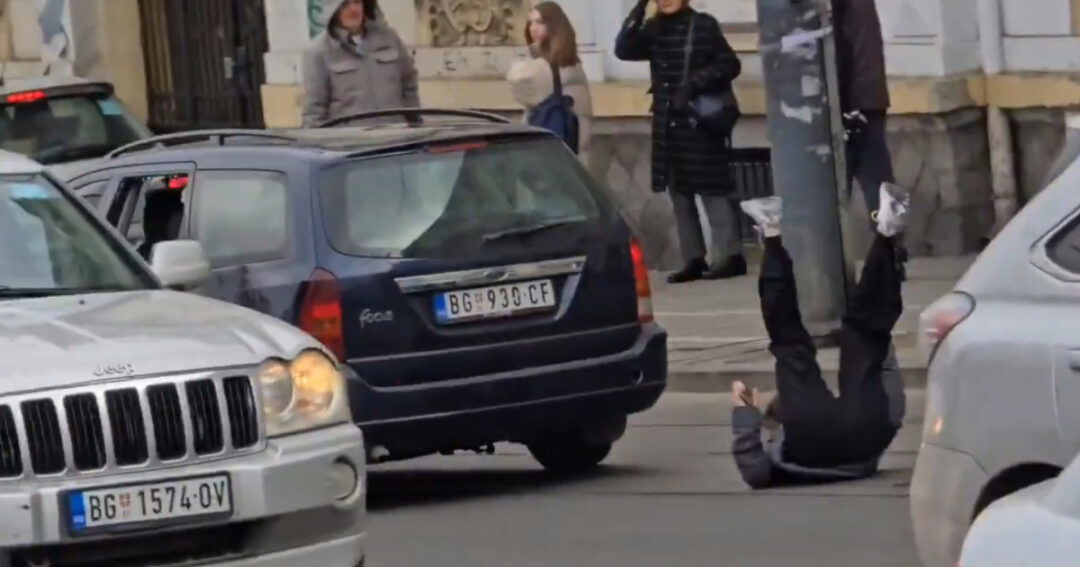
{"x":414,"y":115}
{"x":167,"y":140}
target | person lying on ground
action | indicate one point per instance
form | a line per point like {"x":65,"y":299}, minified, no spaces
{"x":815,"y":436}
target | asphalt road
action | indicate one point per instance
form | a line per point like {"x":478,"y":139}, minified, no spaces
{"x":668,"y":496}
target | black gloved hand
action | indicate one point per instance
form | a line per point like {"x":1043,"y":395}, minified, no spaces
{"x":854,"y":122}
{"x":637,"y":14}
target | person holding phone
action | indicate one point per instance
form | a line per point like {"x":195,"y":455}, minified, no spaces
{"x":814,"y":435}
{"x":689,"y":56}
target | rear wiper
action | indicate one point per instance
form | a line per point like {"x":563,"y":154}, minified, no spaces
{"x":7,"y":292}
{"x":531,"y":229}
{"x":69,"y":153}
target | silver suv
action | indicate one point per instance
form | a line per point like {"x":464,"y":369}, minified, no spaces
{"x":141,"y":426}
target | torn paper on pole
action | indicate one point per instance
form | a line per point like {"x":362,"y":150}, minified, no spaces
{"x":793,"y":41}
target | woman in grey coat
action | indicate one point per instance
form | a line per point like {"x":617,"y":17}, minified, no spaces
{"x":358,"y":64}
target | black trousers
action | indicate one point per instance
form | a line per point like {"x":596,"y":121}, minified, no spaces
{"x":820,"y":429}
{"x":868,"y":158}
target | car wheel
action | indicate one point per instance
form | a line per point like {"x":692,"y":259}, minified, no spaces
{"x":569,"y":455}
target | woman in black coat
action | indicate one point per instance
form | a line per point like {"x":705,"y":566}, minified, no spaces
{"x":688,"y":161}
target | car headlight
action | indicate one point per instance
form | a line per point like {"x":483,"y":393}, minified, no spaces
{"x":305,"y":393}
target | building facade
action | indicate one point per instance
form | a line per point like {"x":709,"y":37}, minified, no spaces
{"x":948,"y":82}
{"x":983,"y":90}
{"x":88,"y":38}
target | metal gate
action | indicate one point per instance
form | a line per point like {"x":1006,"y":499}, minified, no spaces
{"x":204,"y":63}
{"x":752,"y":170}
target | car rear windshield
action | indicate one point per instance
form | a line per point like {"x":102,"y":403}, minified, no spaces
{"x":51,"y":245}
{"x":454,"y":201}
{"x":66,"y":128}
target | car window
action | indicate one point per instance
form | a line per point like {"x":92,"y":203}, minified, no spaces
{"x":49,"y":244}
{"x":67,"y":128}
{"x":149,"y":209}
{"x":91,"y":192}
{"x":241,"y":217}
{"x":448,"y":204}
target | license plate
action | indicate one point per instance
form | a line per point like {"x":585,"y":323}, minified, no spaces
{"x":158,"y":503}
{"x":495,"y":301}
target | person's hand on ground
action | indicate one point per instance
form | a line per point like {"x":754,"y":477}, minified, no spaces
{"x":742,"y":396}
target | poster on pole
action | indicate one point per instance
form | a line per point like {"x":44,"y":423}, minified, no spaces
{"x":57,"y":40}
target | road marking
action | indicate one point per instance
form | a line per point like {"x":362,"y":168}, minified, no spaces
{"x":908,"y":309}
{"x":717,"y":340}
{"x":708,"y":313}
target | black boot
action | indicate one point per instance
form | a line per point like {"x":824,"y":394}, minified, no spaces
{"x":733,"y":267}
{"x":692,"y":272}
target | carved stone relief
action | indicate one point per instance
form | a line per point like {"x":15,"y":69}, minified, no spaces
{"x":472,"y":23}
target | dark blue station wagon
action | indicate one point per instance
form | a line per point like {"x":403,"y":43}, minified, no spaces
{"x":479,"y":282}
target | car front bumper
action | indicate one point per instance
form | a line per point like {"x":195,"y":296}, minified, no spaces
{"x":516,"y":406}
{"x":283,"y":508}
{"x":944,"y":491}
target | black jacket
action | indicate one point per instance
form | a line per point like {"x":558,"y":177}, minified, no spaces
{"x":684,"y":158}
{"x":860,"y":51}
{"x":762,"y":463}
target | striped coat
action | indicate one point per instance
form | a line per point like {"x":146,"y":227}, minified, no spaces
{"x":684,"y":159}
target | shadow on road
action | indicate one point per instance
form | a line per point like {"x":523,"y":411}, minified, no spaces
{"x":390,"y":489}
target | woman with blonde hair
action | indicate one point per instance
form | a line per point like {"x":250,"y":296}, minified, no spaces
{"x":553,"y":45}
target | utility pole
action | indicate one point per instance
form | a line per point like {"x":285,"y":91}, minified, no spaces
{"x":808,"y":151}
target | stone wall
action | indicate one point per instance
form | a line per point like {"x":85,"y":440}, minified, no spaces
{"x":1038,"y":135}
{"x":945,"y":160}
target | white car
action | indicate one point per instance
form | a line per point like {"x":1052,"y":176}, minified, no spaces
{"x":1004,"y":374}
{"x":1038,"y":526}
{"x":143,"y":426}
{"x":65,"y":123}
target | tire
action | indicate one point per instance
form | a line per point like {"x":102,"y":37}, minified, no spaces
{"x":570,"y":455}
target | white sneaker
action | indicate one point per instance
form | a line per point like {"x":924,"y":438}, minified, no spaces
{"x":892,"y":215}
{"x":766,"y":214}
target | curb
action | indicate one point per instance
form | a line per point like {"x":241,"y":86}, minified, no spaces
{"x":720,"y":381}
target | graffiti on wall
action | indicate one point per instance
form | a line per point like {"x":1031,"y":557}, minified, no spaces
{"x":57,"y":44}
{"x":315,"y":17}
{"x":469,"y":23}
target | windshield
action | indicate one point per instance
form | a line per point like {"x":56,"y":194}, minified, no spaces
{"x":69,"y":128}
{"x":455,"y":201}
{"x":49,"y":245}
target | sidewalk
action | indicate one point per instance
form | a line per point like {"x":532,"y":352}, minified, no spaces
{"x":717,"y":335}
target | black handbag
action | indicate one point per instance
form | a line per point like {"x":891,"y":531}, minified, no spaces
{"x":715,"y":112}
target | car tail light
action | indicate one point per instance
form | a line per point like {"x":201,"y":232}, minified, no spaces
{"x":938,"y":320}
{"x":178,"y":183}
{"x":25,"y":97}
{"x":457,"y":147}
{"x":641,"y":280}
{"x":320,"y":312}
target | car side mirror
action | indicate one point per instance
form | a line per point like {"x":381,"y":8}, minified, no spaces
{"x":180,"y":264}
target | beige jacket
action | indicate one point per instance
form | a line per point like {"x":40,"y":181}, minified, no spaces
{"x":340,"y":78}
{"x":531,"y":82}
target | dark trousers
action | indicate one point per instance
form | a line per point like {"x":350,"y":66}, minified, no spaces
{"x":822,"y":430}
{"x":868,"y":158}
{"x":723,"y":225}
